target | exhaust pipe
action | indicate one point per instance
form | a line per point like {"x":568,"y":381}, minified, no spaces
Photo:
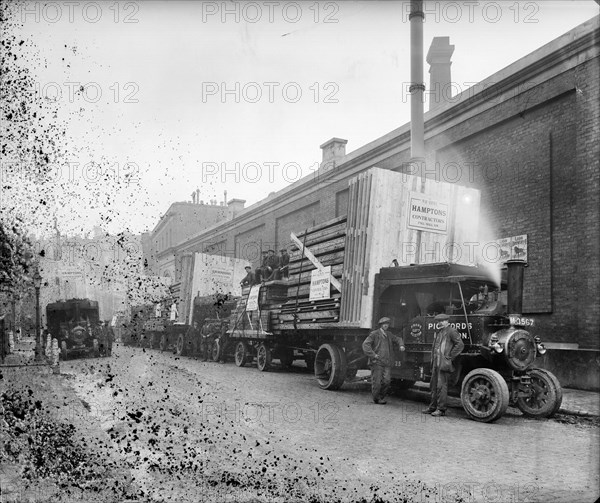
{"x":417,"y":86}
{"x":516,"y":268}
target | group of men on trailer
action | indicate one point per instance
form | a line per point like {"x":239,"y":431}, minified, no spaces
{"x":272,"y":268}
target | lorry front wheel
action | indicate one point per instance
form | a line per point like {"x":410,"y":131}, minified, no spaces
{"x":241,"y":354}
{"x":263,"y":357}
{"x":330,"y":367}
{"x":484,"y":395}
{"x":181,"y":345}
{"x":546,"y":395}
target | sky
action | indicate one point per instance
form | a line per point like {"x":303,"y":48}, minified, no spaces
{"x":166,"y":97}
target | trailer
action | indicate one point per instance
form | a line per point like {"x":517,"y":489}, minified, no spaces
{"x":384,"y":259}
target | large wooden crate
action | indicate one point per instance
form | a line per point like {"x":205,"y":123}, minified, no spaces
{"x":378,"y":231}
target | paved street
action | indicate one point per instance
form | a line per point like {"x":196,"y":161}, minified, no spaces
{"x":196,"y":431}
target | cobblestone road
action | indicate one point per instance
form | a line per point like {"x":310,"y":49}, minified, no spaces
{"x":199,"y":431}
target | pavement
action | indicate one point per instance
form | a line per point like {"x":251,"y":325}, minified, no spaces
{"x":575,"y":402}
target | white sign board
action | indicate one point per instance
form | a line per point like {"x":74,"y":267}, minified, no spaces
{"x":252,"y":303}
{"x":514,"y":247}
{"x":66,"y":273}
{"x":320,"y":283}
{"x":427,"y":213}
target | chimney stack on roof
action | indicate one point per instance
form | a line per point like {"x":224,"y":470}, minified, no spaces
{"x":333,"y":151}
{"x":440,"y":82}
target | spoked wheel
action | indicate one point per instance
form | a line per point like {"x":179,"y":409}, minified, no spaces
{"x":330,"y":367}
{"x":484,"y":395}
{"x":263,"y":357}
{"x":180,"y":348}
{"x":216,"y":350}
{"x":242,"y":355}
{"x":286,"y":357}
{"x":163,"y":342}
{"x":546,"y":395}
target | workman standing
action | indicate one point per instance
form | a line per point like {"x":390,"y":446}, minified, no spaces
{"x":378,"y":346}
{"x":447,"y":345}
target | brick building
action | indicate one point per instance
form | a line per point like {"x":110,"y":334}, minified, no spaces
{"x":528,"y":138}
{"x":183,"y":219}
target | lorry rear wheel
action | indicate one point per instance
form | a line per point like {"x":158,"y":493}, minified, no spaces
{"x":484,"y":395}
{"x":181,"y":345}
{"x":546,"y":395}
{"x":216,"y":350}
{"x":241,"y":354}
{"x":330,"y":367}
{"x":263,"y":357}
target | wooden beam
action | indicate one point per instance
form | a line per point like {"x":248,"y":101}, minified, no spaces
{"x":308,"y":254}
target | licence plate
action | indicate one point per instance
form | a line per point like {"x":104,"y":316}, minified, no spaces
{"x":521,"y":321}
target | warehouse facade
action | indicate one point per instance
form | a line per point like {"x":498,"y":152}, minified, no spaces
{"x":528,"y":138}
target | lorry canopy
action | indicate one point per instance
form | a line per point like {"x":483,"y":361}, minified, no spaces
{"x":435,"y":273}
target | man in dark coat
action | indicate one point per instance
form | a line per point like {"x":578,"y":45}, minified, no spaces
{"x":271,"y":265}
{"x":447,"y":345}
{"x":378,"y":346}
{"x":249,"y":278}
{"x":284,"y":264}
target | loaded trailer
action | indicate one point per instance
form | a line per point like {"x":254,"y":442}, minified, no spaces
{"x":386,"y":258}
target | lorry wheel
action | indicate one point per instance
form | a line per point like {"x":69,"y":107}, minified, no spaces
{"x":216,"y":350}
{"x":546,"y":395}
{"x":330,"y":367}
{"x":286,"y":357}
{"x":484,"y":395}
{"x":163,"y":342}
{"x":241,"y":354}
{"x":63,"y":349}
{"x":181,"y":349}
{"x":263,"y":357}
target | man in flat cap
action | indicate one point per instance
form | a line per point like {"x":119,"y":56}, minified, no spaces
{"x":249,"y":278}
{"x":378,"y":346}
{"x":447,"y":345}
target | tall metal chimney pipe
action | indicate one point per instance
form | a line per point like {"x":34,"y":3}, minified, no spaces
{"x":417,"y":85}
{"x":514,"y":279}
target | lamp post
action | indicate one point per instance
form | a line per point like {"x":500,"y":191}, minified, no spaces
{"x":37,"y":283}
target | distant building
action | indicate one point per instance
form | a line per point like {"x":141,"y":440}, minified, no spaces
{"x":182,"y":220}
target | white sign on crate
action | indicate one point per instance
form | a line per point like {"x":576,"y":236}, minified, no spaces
{"x":252,"y":304}
{"x":427,"y":213}
{"x":320,"y":283}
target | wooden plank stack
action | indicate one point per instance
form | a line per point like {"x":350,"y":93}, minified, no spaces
{"x":326,"y":241}
{"x":249,"y":323}
{"x":379,"y":206}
